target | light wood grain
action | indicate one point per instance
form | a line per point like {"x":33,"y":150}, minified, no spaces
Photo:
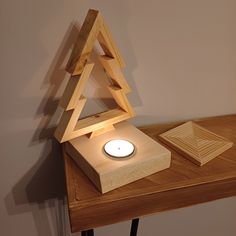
{"x":70,"y":127}
{"x":85,"y":42}
{"x":183,"y":184}
{"x":99,"y":121}
{"x":108,"y":45}
{"x":74,"y":88}
{"x":121,"y":99}
{"x":101,"y":131}
{"x":93,"y":28}
{"x":196,"y":143}
{"x":67,"y":123}
{"x":114,"y":72}
{"x":106,"y":173}
{"x":78,"y":65}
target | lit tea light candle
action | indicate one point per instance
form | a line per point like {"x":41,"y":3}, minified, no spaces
{"x":119,"y":148}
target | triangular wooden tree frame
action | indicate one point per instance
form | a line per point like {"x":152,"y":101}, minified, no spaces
{"x":73,"y":101}
{"x":93,"y":28}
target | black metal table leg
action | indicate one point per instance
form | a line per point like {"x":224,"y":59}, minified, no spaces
{"x":133,"y":230}
{"x":134,"y":227}
{"x":89,"y":232}
{"x":84,"y":233}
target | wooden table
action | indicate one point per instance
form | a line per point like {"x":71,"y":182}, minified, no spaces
{"x":183,"y":184}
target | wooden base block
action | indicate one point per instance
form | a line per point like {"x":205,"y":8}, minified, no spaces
{"x":108,"y":174}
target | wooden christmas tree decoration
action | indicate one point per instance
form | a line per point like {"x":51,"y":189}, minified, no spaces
{"x":73,"y":101}
{"x":87,"y":138}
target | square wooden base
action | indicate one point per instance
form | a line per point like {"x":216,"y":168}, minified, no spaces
{"x":106,"y":173}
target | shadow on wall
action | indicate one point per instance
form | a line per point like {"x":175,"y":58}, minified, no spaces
{"x":42,"y":188}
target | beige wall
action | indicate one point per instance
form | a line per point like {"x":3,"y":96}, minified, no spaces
{"x":180,"y":57}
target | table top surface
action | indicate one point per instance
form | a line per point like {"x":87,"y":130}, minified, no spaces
{"x":183,"y":184}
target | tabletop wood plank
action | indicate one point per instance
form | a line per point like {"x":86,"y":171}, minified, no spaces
{"x":183,"y":184}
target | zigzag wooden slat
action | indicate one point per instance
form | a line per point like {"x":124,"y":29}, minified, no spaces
{"x":114,"y":71}
{"x":68,"y":121}
{"x":75,"y":88}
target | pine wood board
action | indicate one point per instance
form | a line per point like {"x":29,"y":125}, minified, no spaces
{"x":196,"y":143}
{"x":70,"y":128}
{"x":101,"y":131}
{"x":66,"y":127}
{"x":121,"y":99}
{"x":114,"y":72}
{"x":181,"y":185}
{"x":84,"y":44}
{"x":75,"y":88}
{"x":93,"y":28}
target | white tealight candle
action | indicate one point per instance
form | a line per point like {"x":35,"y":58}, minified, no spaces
{"x":119,"y":148}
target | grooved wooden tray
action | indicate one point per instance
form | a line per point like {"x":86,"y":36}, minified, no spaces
{"x":196,"y":143}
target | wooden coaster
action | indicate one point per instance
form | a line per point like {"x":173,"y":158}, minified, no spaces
{"x":196,"y":143}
